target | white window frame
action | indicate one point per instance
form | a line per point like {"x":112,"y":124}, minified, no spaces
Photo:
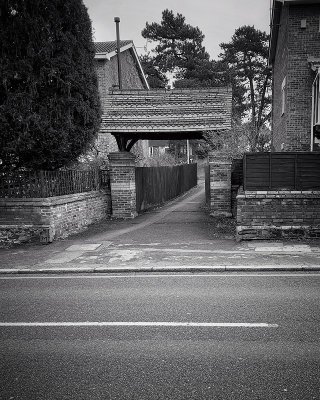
{"x":283,"y":95}
{"x":316,"y":100}
{"x":315,"y":116}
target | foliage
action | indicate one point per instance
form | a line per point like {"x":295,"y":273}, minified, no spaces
{"x":243,"y":65}
{"x":239,"y":140}
{"x":245,"y":59}
{"x":49,"y":102}
{"x":178,"y":150}
{"x":155,"y":77}
{"x":89,"y":161}
{"x":179,"y":48}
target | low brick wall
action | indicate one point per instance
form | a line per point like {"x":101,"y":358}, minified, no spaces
{"x":278,"y":214}
{"x":23,"y":220}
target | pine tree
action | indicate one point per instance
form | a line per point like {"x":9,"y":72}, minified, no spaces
{"x":246,"y":58}
{"x":49,"y":102}
{"x":155,"y":77}
{"x":179,"y":49}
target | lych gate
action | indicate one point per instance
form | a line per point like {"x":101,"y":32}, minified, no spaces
{"x":132,"y":115}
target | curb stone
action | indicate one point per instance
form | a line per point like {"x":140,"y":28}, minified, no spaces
{"x":219,"y":268}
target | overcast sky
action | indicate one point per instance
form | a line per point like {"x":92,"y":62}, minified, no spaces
{"x":216,"y":19}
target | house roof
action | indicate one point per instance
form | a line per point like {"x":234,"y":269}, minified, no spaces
{"x":106,"y":50}
{"x":110,"y":47}
{"x":275,"y":21}
{"x":163,"y":114}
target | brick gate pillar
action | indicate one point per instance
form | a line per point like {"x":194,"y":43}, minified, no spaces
{"x":220,"y":184}
{"x":123,"y":184}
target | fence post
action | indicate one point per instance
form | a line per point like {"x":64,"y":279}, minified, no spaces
{"x":220,"y":184}
{"x":123,"y":184}
{"x":43,"y":184}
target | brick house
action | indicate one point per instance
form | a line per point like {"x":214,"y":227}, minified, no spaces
{"x":295,"y":59}
{"x":133,"y":77}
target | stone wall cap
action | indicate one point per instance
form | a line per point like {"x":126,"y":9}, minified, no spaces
{"x":48,"y":201}
{"x":122,"y":158}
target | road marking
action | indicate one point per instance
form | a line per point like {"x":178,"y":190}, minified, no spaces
{"x":134,"y":275}
{"x":143,"y":324}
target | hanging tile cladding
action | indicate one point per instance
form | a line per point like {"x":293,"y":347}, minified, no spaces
{"x":160,"y":110}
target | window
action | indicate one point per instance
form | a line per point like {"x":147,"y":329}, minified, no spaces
{"x":316,"y":112}
{"x":316,"y":100}
{"x":283,"y":95}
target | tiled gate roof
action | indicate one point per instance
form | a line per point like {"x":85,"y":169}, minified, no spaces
{"x":164,"y":111}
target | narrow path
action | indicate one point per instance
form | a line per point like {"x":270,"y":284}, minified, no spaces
{"x":190,"y":203}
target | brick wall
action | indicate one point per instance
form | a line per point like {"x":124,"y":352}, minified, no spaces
{"x":23,"y":220}
{"x":123,"y":185}
{"x":107,"y":71}
{"x":219,"y":193}
{"x":278,"y":214}
{"x":295,"y":45}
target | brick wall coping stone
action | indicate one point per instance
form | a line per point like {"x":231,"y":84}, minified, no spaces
{"x":219,"y":157}
{"x":49,"y":201}
{"x":271,"y":226}
{"x":122,"y":158}
{"x":261,"y":194}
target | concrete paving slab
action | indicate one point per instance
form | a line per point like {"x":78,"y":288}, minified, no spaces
{"x":64,"y":257}
{"x":285,"y":249}
{"x":257,"y":244}
{"x":84,"y":247}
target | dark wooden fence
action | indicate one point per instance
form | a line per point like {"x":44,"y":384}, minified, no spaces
{"x":293,"y":171}
{"x":156,"y":185}
{"x":51,"y":183}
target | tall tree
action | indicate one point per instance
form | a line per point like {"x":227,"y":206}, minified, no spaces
{"x":155,"y":77}
{"x":246,"y":58}
{"x":179,"y":48}
{"x":49,"y":102}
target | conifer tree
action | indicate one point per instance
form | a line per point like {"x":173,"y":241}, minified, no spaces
{"x":179,"y":49}
{"x":246,"y":58}
{"x":49,"y":102}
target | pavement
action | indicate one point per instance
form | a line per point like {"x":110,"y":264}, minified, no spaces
{"x":179,"y":236}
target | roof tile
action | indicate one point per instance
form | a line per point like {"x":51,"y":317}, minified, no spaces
{"x":108,"y":47}
{"x":168,"y":111}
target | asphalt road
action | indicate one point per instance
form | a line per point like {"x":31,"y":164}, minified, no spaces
{"x":144,"y":337}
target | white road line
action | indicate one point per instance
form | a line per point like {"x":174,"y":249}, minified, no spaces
{"x":143,"y":324}
{"x":232,"y":274}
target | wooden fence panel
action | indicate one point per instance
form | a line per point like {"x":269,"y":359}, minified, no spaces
{"x":256,"y":171}
{"x":272,"y":171}
{"x":156,"y":185}
{"x":309,"y":171}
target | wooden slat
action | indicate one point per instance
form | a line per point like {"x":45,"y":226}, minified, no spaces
{"x":292,"y":170}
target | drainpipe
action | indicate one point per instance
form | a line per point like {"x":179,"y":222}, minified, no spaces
{"x":117,"y":21}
